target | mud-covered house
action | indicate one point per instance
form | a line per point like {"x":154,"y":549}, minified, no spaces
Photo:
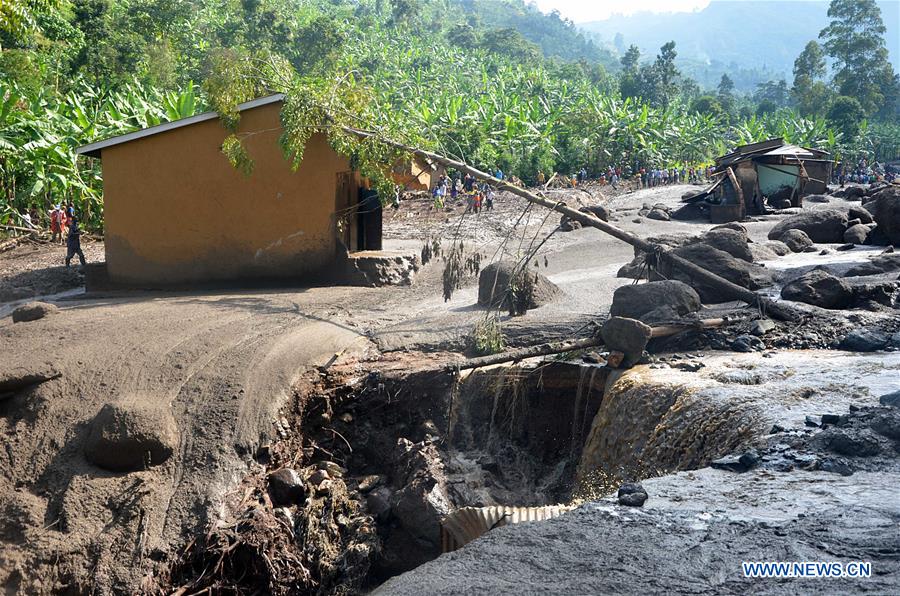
{"x":769,"y":173}
{"x":177,"y":212}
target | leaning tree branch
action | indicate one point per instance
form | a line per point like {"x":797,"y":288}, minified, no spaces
{"x":728,"y":288}
{"x":559,"y":347}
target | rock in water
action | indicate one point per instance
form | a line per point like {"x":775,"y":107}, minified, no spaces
{"x":860,"y":213}
{"x":655,"y":301}
{"x":33,"y":311}
{"x":864,"y":340}
{"x":736,"y":463}
{"x":496,"y":287}
{"x":737,"y":271}
{"x":890,"y":399}
{"x":747,"y":343}
{"x":821,"y":225}
{"x":734,"y":242}
{"x":857,"y":234}
{"x":632,"y":495}
{"x":286,"y":487}
{"x":883,"y":263}
{"x":819,"y":288}
{"x":796,"y":240}
{"x":885,"y":209}
{"x":129,"y":437}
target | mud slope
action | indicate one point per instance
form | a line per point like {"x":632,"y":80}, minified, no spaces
{"x":221,"y":364}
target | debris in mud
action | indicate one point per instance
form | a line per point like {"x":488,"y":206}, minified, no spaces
{"x":33,"y":311}
{"x":286,"y":487}
{"x":511,"y":285}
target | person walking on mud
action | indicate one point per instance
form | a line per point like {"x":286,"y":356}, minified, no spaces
{"x":73,"y":243}
{"x":56,"y":224}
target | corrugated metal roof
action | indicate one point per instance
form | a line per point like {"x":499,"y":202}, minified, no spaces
{"x":94,"y":149}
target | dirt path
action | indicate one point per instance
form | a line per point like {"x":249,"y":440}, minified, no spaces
{"x":225,"y":364}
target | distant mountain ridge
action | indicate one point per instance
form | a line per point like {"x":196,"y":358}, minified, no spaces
{"x":752,"y":41}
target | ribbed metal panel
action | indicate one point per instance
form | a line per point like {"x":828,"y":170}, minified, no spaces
{"x":466,"y":524}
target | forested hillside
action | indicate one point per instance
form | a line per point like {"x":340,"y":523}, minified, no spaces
{"x":752,"y":40}
{"x":493,"y":83}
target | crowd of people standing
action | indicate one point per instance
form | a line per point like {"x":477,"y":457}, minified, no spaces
{"x":864,"y":172}
{"x":478,"y":195}
{"x":64,"y":228}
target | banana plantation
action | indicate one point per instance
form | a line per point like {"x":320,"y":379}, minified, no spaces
{"x":478,"y":105}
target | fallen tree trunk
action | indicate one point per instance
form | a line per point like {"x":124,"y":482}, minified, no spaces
{"x":775,"y":309}
{"x":558,"y":347}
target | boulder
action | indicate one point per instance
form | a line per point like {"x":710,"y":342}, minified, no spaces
{"x":885,"y":209}
{"x":655,"y":301}
{"x":690,"y":212}
{"x":796,"y":240}
{"x":731,"y":241}
{"x":890,"y":399}
{"x":529,"y":289}
{"x":779,"y":247}
{"x":747,"y":343}
{"x":286,"y":487}
{"x":737,"y":271}
{"x":817,"y":198}
{"x":132,"y":436}
{"x":821,"y":225}
{"x":852,"y":193}
{"x":857,"y":234}
{"x":566,"y":224}
{"x":819,"y":288}
{"x":631,"y":495}
{"x":658,"y":214}
{"x":860,"y":213}
{"x":864,"y":340}
{"x":33,"y":311}
{"x":732,"y":225}
{"x":883,"y":263}
{"x":628,"y":336}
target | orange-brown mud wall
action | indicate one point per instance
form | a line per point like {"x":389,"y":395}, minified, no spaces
{"x":177,"y":212}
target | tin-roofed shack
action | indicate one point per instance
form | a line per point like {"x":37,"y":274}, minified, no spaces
{"x":769,"y":173}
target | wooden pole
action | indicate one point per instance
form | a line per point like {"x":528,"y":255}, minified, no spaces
{"x":734,"y":291}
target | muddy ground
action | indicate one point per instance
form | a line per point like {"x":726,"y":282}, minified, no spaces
{"x":237,"y":371}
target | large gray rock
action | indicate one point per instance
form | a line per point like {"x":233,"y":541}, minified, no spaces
{"x":885,"y":263}
{"x":796,"y":240}
{"x":286,"y":487}
{"x":566,"y":224}
{"x":864,"y":340}
{"x":860,"y":213}
{"x":719,"y":262}
{"x":132,"y":436}
{"x":655,"y":301}
{"x":857,"y":234}
{"x":734,"y":242}
{"x":819,"y":288}
{"x":821,"y":225}
{"x":885,"y":210}
{"x":33,"y":311}
{"x":628,"y":336}
{"x":502,"y":285}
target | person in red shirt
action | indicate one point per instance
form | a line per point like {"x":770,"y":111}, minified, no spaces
{"x":56,"y":224}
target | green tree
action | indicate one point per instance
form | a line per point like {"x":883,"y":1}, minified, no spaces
{"x":631,"y":60}
{"x":809,"y":92}
{"x":725,"y":94}
{"x":667,"y":74}
{"x":855,"y":41}
{"x":846,"y":114}
{"x":708,"y":104}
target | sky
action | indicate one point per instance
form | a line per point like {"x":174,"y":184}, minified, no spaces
{"x":581,"y":11}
